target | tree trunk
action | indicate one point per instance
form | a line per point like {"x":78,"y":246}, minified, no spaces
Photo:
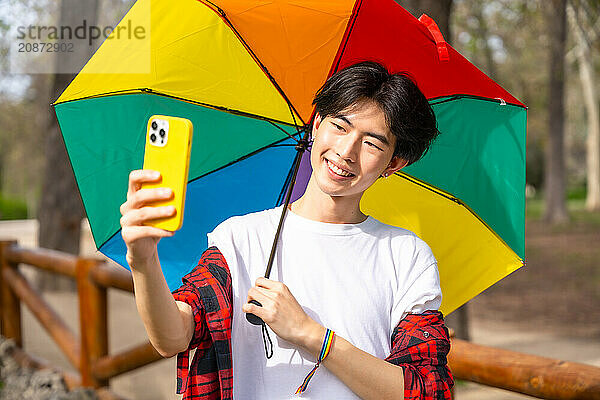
{"x":2,"y":147}
{"x":1,"y":173}
{"x":483,"y":33}
{"x":60,"y":210}
{"x":590,"y":100}
{"x":556,"y":208}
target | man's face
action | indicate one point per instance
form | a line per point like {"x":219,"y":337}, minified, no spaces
{"x":351,"y":150}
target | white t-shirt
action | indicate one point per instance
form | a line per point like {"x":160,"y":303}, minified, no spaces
{"x":359,"y":280}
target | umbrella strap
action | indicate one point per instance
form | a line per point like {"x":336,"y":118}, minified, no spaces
{"x":437,"y":36}
{"x":270,"y":347}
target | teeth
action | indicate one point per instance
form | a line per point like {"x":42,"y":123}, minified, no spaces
{"x":338,"y":170}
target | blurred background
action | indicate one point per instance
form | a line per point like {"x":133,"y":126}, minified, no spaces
{"x":544,"y":52}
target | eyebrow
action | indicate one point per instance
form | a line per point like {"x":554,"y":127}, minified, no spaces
{"x":378,"y":136}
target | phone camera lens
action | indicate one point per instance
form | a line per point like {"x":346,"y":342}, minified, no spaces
{"x":153,"y":137}
{"x":162,"y":133}
{"x":154,"y":125}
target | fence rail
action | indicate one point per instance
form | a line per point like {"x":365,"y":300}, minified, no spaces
{"x":517,"y":372}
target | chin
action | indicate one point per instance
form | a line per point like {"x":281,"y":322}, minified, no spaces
{"x":334,"y":189}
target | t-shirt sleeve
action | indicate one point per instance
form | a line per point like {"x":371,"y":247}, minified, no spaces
{"x":222,"y":238}
{"x":422,"y":291}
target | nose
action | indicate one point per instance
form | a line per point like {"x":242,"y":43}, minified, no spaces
{"x":347,"y":147}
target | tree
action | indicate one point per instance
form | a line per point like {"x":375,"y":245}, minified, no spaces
{"x":508,"y":40}
{"x":578,"y":13}
{"x":483,"y":33}
{"x":60,"y":210}
{"x":556,"y":208}
{"x":22,"y":107}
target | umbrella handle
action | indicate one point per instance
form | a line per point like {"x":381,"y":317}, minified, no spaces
{"x":253,"y":319}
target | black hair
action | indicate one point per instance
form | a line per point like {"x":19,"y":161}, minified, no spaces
{"x":408,"y":114}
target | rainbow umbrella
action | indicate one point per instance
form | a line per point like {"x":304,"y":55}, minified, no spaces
{"x":245,"y":72}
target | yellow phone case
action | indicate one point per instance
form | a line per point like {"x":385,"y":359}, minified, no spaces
{"x":168,"y":148}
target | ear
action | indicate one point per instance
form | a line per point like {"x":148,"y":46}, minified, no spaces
{"x":395,"y":164}
{"x":316,"y":125}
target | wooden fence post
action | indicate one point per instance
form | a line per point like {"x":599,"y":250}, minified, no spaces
{"x":93,"y":322}
{"x":10,"y":306}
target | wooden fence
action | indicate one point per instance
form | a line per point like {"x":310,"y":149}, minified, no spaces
{"x":517,"y":372}
{"x":89,"y":352}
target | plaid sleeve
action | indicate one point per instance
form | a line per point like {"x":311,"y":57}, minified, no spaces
{"x":420,"y":344}
{"x":211,"y":262}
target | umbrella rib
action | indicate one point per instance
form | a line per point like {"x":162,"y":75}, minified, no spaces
{"x":424,"y":185}
{"x":225,"y":19}
{"x":94,"y":96}
{"x":153,"y":92}
{"x":454,"y":199}
{"x":445,"y":99}
{"x":286,"y":183}
{"x":354,"y":17}
{"x":286,"y":132}
{"x":222,"y":108}
{"x":274,"y":144}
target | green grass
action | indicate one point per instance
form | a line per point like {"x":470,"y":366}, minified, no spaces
{"x":12,"y":208}
{"x":534,"y":208}
{"x":578,"y":213}
{"x":460,"y":383}
{"x":575,"y":206}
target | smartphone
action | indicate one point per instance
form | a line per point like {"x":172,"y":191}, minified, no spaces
{"x":168,"y":148}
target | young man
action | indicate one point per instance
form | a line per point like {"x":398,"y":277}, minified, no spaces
{"x":343,"y":284}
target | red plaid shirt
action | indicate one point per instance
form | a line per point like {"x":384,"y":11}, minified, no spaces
{"x":420,"y":342}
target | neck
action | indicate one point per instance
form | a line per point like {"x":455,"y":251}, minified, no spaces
{"x":319,"y":206}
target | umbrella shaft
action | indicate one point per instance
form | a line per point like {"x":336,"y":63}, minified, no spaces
{"x":297,"y":159}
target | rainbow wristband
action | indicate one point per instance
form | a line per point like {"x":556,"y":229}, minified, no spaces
{"x":324,"y":353}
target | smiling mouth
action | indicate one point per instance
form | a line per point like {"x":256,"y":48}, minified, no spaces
{"x":338,"y":171}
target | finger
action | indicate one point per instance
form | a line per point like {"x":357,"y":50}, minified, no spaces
{"x":146,"y":196}
{"x":141,"y":215}
{"x":274,"y":286}
{"x":261,"y":295}
{"x":260,"y":312}
{"x":133,"y":233}
{"x":138,"y":176}
{"x":269,"y":284}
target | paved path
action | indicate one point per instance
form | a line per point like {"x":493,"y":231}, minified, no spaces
{"x":157,"y":381}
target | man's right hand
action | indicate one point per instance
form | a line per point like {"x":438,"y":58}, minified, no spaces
{"x":142,"y":240}
{"x":169,"y":323}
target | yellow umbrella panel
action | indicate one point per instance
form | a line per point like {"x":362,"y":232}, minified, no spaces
{"x":471,"y":256}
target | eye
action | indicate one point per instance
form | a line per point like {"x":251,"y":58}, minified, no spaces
{"x":338,"y":127}
{"x":374,"y":146}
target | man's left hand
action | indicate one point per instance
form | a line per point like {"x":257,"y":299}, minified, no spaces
{"x":281,"y":311}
